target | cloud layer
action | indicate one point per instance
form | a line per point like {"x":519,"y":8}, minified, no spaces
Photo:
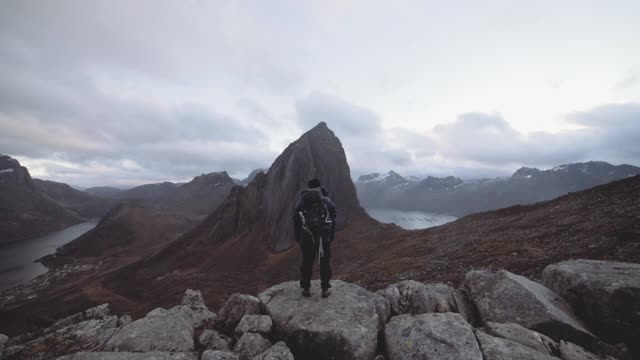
{"x":123,"y":93}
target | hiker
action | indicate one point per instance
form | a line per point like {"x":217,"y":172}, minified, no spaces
{"x":314,"y":230}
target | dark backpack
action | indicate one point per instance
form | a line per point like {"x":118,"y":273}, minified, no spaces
{"x":314,"y":212}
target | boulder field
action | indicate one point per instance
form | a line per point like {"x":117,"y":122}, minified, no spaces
{"x":582,"y":310}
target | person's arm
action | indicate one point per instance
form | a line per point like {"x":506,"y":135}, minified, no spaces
{"x":297,"y":223}
{"x":332,"y":209}
{"x":332,"y":215}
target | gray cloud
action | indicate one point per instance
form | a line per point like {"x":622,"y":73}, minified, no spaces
{"x":102,"y":92}
{"x":608,"y":132}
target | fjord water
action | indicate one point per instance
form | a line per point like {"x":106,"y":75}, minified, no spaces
{"x":410,"y":220}
{"x":17,"y":259}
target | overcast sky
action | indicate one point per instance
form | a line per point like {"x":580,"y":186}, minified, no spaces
{"x":130,"y":92}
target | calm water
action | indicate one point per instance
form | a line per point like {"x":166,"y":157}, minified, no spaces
{"x":17,"y":259}
{"x":410,"y":220}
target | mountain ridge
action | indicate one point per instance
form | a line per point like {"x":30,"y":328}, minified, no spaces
{"x":452,"y":195}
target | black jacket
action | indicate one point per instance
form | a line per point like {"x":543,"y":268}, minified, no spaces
{"x":297,"y":222}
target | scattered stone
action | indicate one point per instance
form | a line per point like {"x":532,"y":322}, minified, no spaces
{"x":523,"y":336}
{"x":605,"y":294}
{"x":234,"y":309}
{"x":431,"y":336}
{"x":502,"y":297}
{"x":279,"y":351}
{"x":160,"y":330}
{"x":156,"y":355}
{"x":97,"y":330}
{"x":412,"y":297}
{"x":97,"y":312}
{"x":218,"y":355}
{"x":124,"y":320}
{"x":213,"y":340}
{"x":260,"y":324}
{"x":250,"y":345}
{"x":343,"y":326}
{"x":494,"y":348}
{"x":192,"y":297}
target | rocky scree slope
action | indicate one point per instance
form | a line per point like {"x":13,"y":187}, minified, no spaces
{"x":494,"y":315}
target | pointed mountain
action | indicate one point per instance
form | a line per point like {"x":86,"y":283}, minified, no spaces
{"x":266,"y":204}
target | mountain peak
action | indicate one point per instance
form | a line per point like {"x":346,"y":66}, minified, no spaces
{"x":262,"y":212}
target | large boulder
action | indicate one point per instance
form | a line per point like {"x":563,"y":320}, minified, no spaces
{"x":501,"y":296}
{"x":523,"y":336}
{"x":412,"y":297}
{"x":343,"y":326}
{"x":237,"y":306}
{"x":279,"y":351}
{"x":250,"y":345}
{"x":431,"y":336}
{"x":605,"y":294}
{"x":494,"y":348}
{"x":156,"y":355}
{"x":160,"y":330}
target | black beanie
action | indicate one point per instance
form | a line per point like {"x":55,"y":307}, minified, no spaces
{"x":314,"y":183}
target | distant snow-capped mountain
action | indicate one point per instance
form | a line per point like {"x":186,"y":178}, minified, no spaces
{"x":452,"y":195}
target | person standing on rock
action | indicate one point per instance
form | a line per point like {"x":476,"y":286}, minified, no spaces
{"x":314,"y":230}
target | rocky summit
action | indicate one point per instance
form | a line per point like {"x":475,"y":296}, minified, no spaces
{"x":494,"y":315}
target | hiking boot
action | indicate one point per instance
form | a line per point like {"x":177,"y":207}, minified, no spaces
{"x":326,"y":293}
{"x":306,"y":293}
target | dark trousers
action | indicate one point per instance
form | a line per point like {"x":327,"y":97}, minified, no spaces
{"x":309,"y":249}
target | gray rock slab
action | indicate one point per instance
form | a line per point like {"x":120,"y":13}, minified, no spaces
{"x":250,"y":345}
{"x":502,"y":297}
{"x":155,"y":355}
{"x":570,"y":351}
{"x":412,"y":297}
{"x":279,"y":351}
{"x":237,"y":306}
{"x":523,"y":336}
{"x":160,"y":330}
{"x":260,"y":324}
{"x":433,"y":336}
{"x":605,"y":294}
{"x":343,"y":326}
{"x":218,"y":355}
{"x":494,"y":348}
